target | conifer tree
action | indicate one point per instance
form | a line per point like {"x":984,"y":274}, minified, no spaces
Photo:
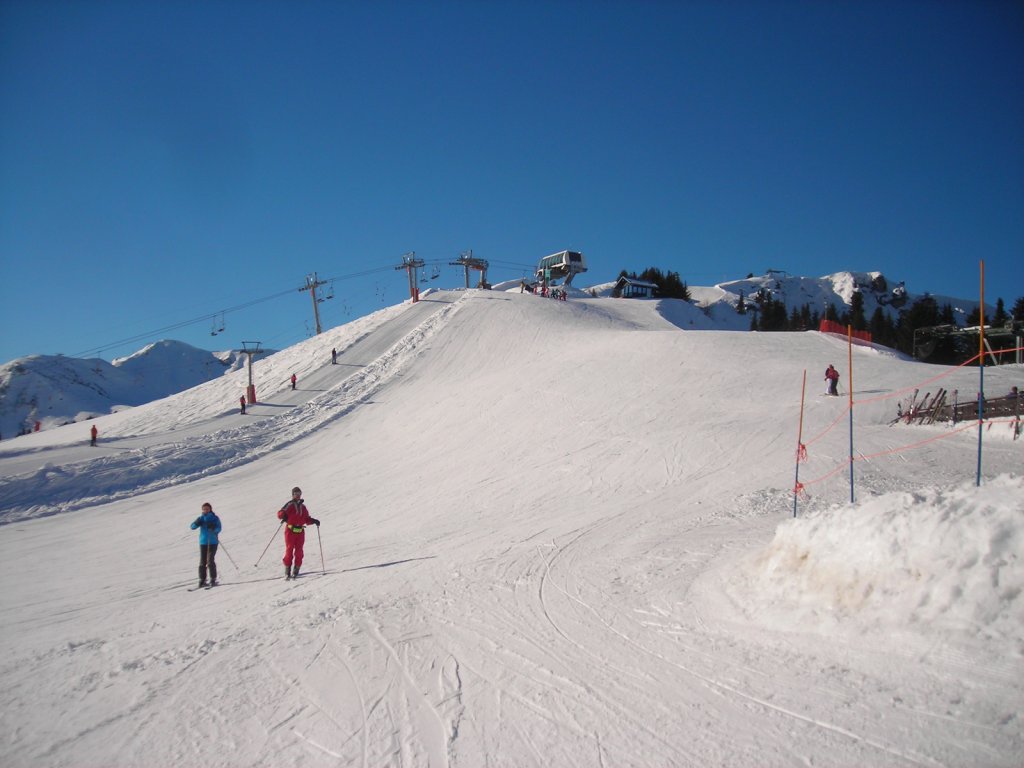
{"x":857,"y":318}
{"x":1000,"y":316}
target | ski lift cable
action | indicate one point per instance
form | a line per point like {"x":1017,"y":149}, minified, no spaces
{"x":212,"y":317}
{"x":208,"y":317}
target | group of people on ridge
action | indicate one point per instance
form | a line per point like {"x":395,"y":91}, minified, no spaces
{"x":293,"y":516}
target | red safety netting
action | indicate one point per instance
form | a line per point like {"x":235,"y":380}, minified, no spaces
{"x":830,"y":326}
{"x":800,"y":488}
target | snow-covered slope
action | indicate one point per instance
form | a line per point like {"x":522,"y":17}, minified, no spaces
{"x":554,"y":533}
{"x":55,"y":390}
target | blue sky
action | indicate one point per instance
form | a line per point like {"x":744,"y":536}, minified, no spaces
{"x":164,"y":162}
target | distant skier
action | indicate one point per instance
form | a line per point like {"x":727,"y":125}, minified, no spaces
{"x":832,"y":377}
{"x":295,"y":517}
{"x":293,"y":381}
{"x":334,"y":357}
{"x":209,"y":527}
{"x":93,"y":433}
{"x":241,"y":403}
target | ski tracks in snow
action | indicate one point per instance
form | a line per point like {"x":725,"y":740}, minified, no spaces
{"x":377,"y":691}
{"x":127,"y":473}
{"x":531,"y":625}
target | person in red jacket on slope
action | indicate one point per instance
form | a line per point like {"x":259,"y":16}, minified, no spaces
{"x":832,"y":380}
{"x":295,"y":517}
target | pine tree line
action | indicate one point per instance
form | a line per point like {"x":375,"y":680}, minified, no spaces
{"x":771,"y":315}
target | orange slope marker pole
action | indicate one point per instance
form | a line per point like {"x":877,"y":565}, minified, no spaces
{"x":799,"y":442}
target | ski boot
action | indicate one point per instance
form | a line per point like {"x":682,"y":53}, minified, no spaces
{"x":295,"y":572}
{"x":287,"y":572}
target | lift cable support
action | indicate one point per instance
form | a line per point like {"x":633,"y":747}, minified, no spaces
{"x":467,"y":262}
{"x":250,"y":349}
{"x":411,"y":265}
{"x":312,"y":283}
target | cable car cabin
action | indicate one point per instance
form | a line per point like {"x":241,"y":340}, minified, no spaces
{"x":563,"y":264}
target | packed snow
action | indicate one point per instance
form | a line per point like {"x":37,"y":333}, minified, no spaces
{"x":553,"y":533}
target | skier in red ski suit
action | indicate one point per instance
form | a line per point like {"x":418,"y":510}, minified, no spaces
{"x":295,"y":517}
{"x":832,"y":377}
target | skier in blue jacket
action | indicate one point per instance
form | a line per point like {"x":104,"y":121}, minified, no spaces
{"x":209,"y":527}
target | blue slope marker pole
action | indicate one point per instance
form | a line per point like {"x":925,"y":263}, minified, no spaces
{"x":849,"y":364}
{"x":981,"y":369}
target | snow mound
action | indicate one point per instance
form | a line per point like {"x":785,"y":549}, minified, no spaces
{"x":941,"y":558}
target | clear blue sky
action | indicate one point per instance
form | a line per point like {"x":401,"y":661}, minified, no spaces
{"x":164,"y":161}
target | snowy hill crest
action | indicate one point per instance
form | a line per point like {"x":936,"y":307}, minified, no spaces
{"x":55,"y":390}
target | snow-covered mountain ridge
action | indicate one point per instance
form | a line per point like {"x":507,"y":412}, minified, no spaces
{"x":721,"y":302}
{"x":55,"y":390}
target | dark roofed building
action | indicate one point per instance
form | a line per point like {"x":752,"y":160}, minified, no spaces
{"x":631,"y":288}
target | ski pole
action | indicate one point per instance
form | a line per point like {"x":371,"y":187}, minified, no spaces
{"x":225,"y":550}
{"x":323,"y":567}
{"x":268,"y":544}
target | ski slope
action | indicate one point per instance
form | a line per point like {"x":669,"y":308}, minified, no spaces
{"x":554,"y":534}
